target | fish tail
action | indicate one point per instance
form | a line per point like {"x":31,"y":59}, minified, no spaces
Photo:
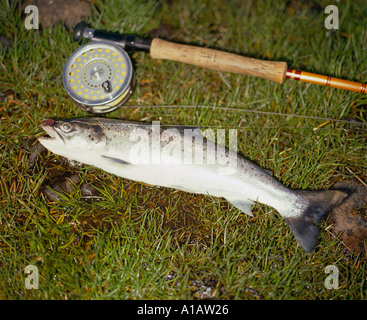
{"x":303,"y":226}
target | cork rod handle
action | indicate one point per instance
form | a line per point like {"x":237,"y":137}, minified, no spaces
{"x":218,"y":60}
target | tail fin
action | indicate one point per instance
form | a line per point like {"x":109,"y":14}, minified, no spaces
{"x":319,"y":203}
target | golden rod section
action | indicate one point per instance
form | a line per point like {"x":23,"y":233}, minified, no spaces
{"x":326,"y":81}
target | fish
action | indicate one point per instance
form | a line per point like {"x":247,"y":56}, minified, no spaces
{"x":182,"y":158}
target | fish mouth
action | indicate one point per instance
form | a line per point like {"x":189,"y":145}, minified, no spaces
{"x":47,"y":125}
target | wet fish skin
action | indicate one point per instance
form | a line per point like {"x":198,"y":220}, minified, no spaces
{"x":108,"y":144}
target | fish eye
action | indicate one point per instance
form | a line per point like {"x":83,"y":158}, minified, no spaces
{"x":66,"y":127}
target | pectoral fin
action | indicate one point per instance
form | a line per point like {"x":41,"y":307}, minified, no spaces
{"x":116,"y":160}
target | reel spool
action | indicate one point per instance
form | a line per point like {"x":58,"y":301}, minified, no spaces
{"x":99,"y":76}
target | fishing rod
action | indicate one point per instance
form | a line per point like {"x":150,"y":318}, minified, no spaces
{"x":99,"y":75}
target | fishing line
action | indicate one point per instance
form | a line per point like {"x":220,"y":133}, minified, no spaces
{"x":251,"y":111}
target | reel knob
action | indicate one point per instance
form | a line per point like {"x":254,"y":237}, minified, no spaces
{"x":79,"y":31}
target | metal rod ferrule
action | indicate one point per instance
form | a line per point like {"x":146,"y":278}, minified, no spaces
{"x":326,"y":81}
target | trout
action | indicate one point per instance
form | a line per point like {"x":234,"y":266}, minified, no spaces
{"x":182,"y":158}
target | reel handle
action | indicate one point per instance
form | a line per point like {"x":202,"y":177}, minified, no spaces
{"x":218,"y":60}
{"x":224,"y":61}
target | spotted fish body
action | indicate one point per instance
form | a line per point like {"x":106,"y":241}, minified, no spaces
{"x":169,"y":157}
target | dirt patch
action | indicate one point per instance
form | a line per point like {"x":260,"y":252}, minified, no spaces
{"x":349,"y":220}
{"x":69,"y":12}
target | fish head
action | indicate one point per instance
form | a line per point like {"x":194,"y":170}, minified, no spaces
{"x":71,"y":136}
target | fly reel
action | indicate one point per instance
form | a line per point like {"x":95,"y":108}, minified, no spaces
{"x":99,"y":76}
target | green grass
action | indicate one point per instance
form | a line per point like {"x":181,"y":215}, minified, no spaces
{"x":142,"y":242}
